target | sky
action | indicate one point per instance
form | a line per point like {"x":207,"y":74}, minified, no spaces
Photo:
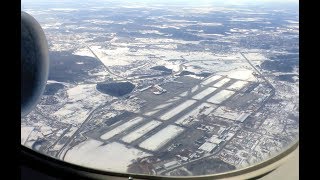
{"x":174,"y":1}
{"x":189,"y":3}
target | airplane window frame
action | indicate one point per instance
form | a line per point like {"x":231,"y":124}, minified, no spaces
{"x":56,"y":167}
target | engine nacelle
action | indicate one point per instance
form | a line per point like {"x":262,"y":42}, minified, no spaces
{"x":34,"y":63}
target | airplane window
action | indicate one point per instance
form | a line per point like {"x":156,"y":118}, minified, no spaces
{"x":167,"y":88}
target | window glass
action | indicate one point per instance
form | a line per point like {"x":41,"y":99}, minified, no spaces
{"x":171,"y":88}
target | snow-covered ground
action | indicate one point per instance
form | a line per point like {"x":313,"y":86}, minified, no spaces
{"x":81,"y":99}
{"x":241,"y":74}
{"x":210,"y":79}
{"x":220,"y":96}
{"x":204,"y":108}
{"x":192,"y":56}
{"x":162,"y":137}
{"x":177,"y":109}
{"x":255,"y":56}
{"x":150,"y":113}
{"x":111,"y":57}
{"x":25,"y":131}
{"x":113,"y":157}
{"x":141,"y":131}
{"x":204,"y":93}
{"x":195,"y":88}
{"x":84,"y":52}
{"x":72,"y":114}
{"x":237,"y":85}
{"x":221,"y":82}
{"x":60,"y":143}
{"x":210,"y":24}
{"x":121,"y":128}
{"x":184,"y":94}
{"x":161,"y":106}
{"x":227,"y":113}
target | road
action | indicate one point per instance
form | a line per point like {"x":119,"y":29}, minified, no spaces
{"x":63,"y":151}
{"x":107,"y":68}
{"x":261,"y":75}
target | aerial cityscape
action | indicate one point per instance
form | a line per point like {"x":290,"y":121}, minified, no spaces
{"x":171,"y":89}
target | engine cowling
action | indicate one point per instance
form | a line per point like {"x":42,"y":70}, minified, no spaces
{"x":34,"y":63}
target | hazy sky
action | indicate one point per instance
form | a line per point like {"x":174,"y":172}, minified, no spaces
{"x":70,"y":3}
{"x":193,"y":1}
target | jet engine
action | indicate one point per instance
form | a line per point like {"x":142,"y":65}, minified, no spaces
{"x":34,"y":63}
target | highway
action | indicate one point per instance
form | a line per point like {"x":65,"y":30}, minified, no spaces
{"x":62,"y":152}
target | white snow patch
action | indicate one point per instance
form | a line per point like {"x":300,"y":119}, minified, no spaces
{"x":177,"y":109}
{"x":25,"y":131}
{"x":211,"y":79}
{"x":255,"y":56}
{"x":241,"y":74}
{"x":141,"y":131}
{"x":237,"y":85}
{"x":227,"y":113}
{"x":210,"y":24}
{"x":195,"y":88}
{"x":151,"y":32}
{"x":221,"y":82}
{"x":111,"y":57}
{"x":161,"y":106}
{"x":91,"y":153}
{"x":72,"y":113}
{"x":220,"y":96}
{"x":204,"y":93}
{"x":83,"y":52}
{"x":150,"y":113}
{"x":183,"y":94}
{"x":162,"y":137}
{"x":203,"y":109}
{"x":121,"y":128}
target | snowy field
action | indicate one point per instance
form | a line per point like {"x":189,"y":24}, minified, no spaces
{"x":173,"y":99}
{"x":91,"y":153}
{"x":255,"y":56}
{"x":150,"y":113}
{"x":204,"y":93}
{"x":220,"y":96}
{"x":204,"y":108}
{"x":81,"y":99}
{"x":230,"y":114}
{"x":121,"y":128}
{"x":161,"y":106}
{"x":240,"y":74}
{"x":226,"y":113}
{"x":112,"y":57}
{"x":83,"y":52}
{"x":237,"y":85}
{"x":25,"y":131}
{"x":177,"y":109}
{"x":183,"y":94}
{"x":141,"y":131}
{"x":72,"y":114}
{"x":162,"y":137}
{"x":60,"y":143}
{"x":221,"y":82}
{"x":211,"y":79}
